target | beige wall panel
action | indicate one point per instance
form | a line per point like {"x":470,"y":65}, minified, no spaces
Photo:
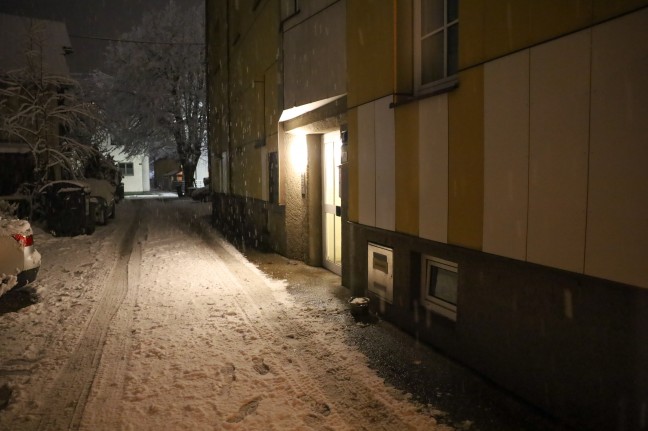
{"x":366,"y":165}
{"x":352,"y":161}
{"x":506,"y":155}
{"x":558,"y":152}
{"x":433,"y":168}
{"x":617,"y":224}
{"x":407,"y":172}
{"x":385,"y":140}
{"x":466,"y":160}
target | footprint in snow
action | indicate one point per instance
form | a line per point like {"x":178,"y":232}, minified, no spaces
{"x":260,"y":366}
{"x":245,"y":410}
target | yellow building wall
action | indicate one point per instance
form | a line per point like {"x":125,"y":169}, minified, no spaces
{"x":466,"y":160}
{"x":617,"y":214}
{"x":491,"y":29}
{"x":370,"y":50}
{"x":366,"y":144}
{"x":253,"y":93}
{"x":246,"y":174}
{"x":352,"y":160}
{"x":406,"y":172}
{"x":564,"y":146}
{"x":433,"y":168}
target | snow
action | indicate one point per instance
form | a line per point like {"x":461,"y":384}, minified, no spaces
{"x":186,"y":334}
{"x":10,"y":226}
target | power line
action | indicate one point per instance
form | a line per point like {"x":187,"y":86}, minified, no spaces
{"x":145,"y":42}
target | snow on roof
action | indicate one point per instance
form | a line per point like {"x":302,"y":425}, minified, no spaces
{"x":66,"y":182}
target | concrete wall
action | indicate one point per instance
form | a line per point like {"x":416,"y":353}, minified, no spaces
{"x":570,"y":344}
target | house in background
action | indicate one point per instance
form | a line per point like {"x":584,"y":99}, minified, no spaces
{"x":168,"y":171}
{"x":165,"y":173}
{"x":491,"y":163}
{"x":134,"y":169}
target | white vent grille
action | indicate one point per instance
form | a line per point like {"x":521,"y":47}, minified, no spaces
{"x":380,"y":271}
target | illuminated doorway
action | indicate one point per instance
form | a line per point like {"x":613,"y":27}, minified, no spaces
{"x":332,"y":203}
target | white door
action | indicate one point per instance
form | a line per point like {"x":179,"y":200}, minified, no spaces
{"x":332,"y":203}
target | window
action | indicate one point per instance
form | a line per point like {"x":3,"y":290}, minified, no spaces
{"x":273,"y":172}
{"x":439,"y":290}
{"x":126,"y":169}
{"x":436,"y":41}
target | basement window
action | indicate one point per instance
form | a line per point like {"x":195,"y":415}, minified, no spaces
{"x":439,"y":290}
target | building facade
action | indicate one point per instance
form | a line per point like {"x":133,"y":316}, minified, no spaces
{"x":277,"y":85}
{"x":492,"y":182}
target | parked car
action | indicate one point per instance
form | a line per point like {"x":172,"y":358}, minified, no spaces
{"x":104,"y":192}
{"x":19,"y":259}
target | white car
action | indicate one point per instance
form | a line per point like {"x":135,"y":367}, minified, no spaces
{"x":19,"y":259}
{"x":104,"y":192}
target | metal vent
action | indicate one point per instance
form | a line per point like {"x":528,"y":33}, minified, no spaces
{"x":380,"y":274}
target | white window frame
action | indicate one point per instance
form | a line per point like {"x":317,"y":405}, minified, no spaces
{"x":125,"y":167}
{"x":431,"y":302}
{"x":448,"y":80}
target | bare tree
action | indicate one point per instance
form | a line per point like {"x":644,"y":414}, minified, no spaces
{"x":153,"y":95}
{"x":45,"y":112}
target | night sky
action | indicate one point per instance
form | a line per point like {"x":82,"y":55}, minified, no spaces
{"x":88,"y":18}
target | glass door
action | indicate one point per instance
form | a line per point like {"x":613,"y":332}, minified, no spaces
{"x":332,"y":203}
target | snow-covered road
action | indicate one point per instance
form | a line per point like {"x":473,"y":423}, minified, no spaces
{"x":155,"y":322}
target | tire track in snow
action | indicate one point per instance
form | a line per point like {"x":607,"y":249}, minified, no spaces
{"x":63,"y":405}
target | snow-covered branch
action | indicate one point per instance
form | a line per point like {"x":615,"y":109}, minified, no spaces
{"x":153,"y":94}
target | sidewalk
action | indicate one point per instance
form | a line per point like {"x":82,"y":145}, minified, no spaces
{"x":152,"y":194}
{"x":453,"y":394}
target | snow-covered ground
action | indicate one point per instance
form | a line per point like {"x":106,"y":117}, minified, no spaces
{"x":155,"y":322}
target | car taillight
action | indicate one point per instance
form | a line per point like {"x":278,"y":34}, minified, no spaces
{"x":24,"y":240}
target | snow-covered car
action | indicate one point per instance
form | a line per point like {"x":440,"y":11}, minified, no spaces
{"x":104,"y":192}
{"x":19,"y":259}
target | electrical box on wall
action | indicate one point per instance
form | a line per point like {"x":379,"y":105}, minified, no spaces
{"x":380,"y":271}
